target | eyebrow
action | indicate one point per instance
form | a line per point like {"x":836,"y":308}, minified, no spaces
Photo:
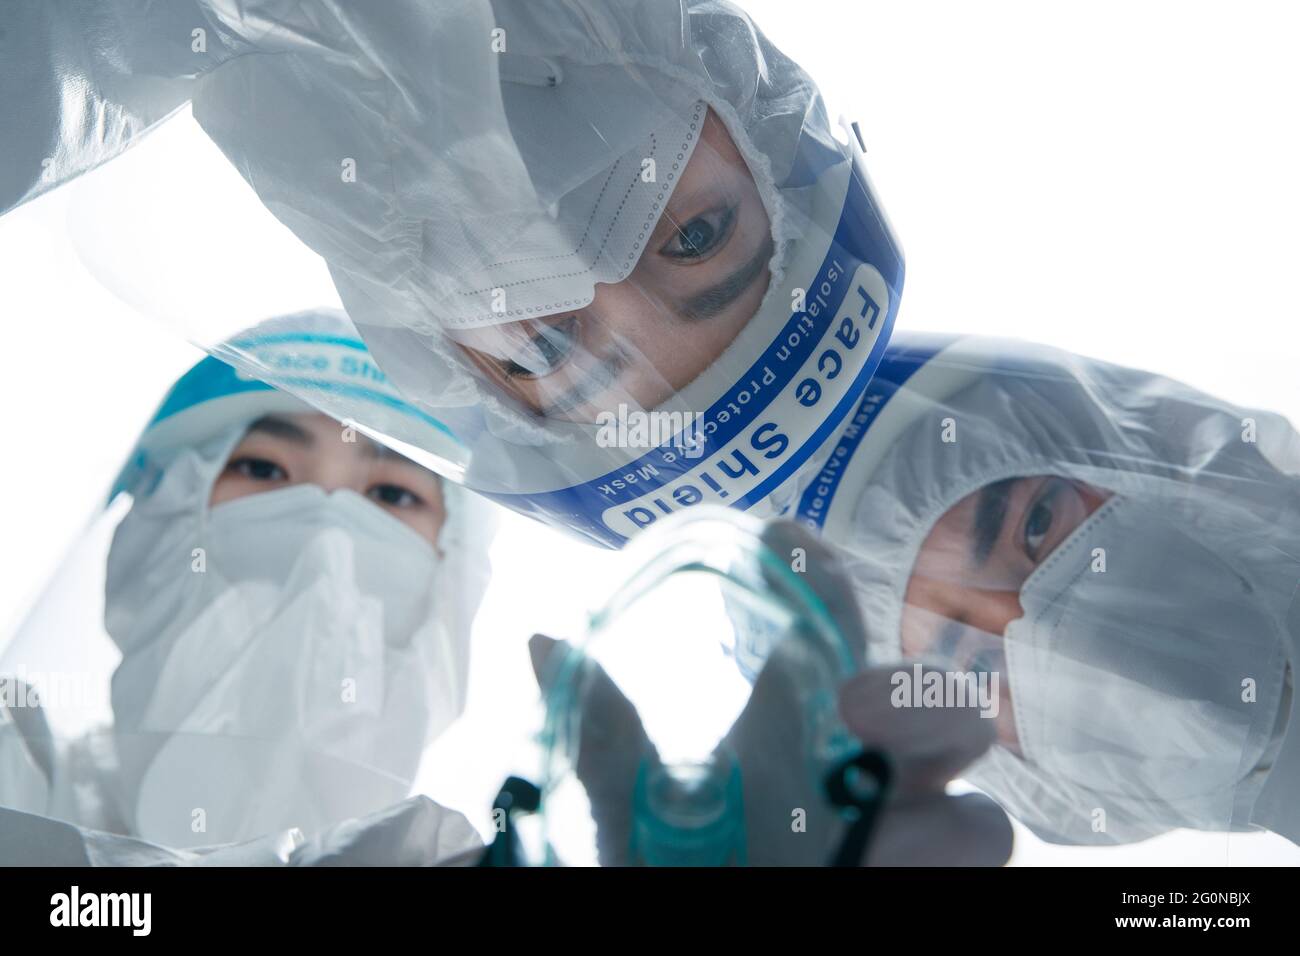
{"x":283,"y":428}
{"x":291,"y":432}
{"x":373,"y":449}
{"x":712,"y":301}
{"x":378,"y":451}
{"x":990,"y":515}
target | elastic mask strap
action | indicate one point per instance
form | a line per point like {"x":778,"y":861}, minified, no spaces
{"x":516,"y":798}
{"x":858,"y":785}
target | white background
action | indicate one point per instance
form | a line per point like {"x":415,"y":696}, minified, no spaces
{"x":1116,"y":178}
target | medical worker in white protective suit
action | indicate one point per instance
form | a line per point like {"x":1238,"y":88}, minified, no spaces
{"x":1120,"y":550}
{"x":292,"y":604}
{"x":547,"y":219}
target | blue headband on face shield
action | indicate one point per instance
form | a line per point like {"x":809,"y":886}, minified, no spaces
{"x":316,"y":356}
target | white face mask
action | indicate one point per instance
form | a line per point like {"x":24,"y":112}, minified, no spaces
{"x":300,"y":653}
{"x":1147,"y":690}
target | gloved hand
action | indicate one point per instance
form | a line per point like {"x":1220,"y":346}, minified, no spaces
{"x":921,"y":824}
{"x":788,"y":820}
{"x":927,"y":747}
{"x":766,"y":741}
{"x":612,"y":744}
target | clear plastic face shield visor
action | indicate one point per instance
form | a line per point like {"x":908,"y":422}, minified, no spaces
{"x":620,"y":253}
{"x":1102,"y":560}
{"x":263,"y":629}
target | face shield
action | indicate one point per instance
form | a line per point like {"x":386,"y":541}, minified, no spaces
{"x":616,"y":248}
{"x":1105,"y":557}
{"x":265,"y":626}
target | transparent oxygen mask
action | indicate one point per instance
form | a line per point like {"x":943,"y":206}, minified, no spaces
{"x":695,"y":723}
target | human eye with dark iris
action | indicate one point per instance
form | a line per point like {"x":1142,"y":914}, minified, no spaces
{"x":552,"y":345}
{"x":697,"y":239}
{"x":1039,"y":519}
{"x":395,"y":496}
{"x":258,"y":469}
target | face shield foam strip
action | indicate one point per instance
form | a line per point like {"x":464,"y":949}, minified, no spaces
{"x":323,"y":369}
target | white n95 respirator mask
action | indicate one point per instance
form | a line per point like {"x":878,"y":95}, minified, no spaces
{"x":1147,"y":686}
{"x":290,"y":642}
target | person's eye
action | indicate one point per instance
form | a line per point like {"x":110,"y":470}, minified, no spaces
{"x":394,"y":496}
{"x":699,"y":238}
{"x":549,"y":346}
{"x":1037,"y":526}
{"x":1050,"y":518}
{"x":258,"y":469}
